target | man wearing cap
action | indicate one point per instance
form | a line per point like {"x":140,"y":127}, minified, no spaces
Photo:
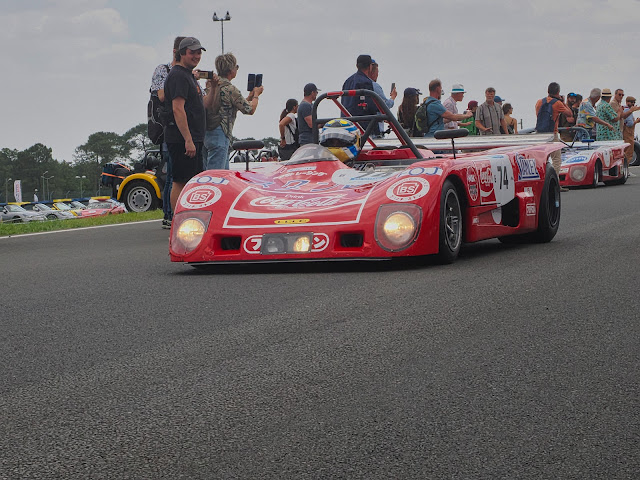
{"x":305,"y":109}
{"x":184,"y":132}
{"x":157,"y":89}
{"x":361,"y":80}
{"x":457,"y":94}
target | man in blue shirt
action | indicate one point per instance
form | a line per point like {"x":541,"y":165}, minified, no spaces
{"x":436,"y":113}
{"x":359,"y":105}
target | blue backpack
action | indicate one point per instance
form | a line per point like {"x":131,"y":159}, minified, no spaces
{"x":545,"y":123}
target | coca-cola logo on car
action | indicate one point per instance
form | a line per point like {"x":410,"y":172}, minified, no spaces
{"x":200,"y":197}
{"x":296,"y":201}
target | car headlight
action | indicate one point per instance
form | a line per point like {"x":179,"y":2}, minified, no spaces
{"x":188,"y":230}
{"x":190,"y":233}
{"x":397,"y":225}
{"x":578,"y":172}
{"x":399,"y":228}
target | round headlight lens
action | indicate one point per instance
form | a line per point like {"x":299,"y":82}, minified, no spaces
{"x":578,"y":173}
{"x":190,"y":233}
{"x":399,"y":228}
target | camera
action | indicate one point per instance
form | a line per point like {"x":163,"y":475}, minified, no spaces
{"x":204,"y":74}
{"x":255,"y":80}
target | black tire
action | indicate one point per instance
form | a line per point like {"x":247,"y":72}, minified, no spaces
{"x":635,"y":161}
{"x":597,"y":174}
{"x":450,"y":236}
{"x":51,"y":216}
{"x":139,"y":196}
{"x":623,"y":179}
{"x":548,"y":213}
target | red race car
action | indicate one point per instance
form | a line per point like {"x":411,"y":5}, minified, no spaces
{"x":379,"y":204}
{"x":587,"y":163}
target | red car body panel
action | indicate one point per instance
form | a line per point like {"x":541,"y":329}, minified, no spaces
{"x":335,"y":203}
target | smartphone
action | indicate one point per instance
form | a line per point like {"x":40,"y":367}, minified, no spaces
{"x":205,"y":74}
{"x":251,"y":82}
{"x":393,"y":86}
{"x":258,"y":79}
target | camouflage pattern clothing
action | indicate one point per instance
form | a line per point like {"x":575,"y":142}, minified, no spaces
{"x":231,"y":102}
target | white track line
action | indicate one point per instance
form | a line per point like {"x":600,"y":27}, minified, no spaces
{"x":77,"y":229}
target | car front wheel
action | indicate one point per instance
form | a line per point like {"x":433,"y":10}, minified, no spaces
{"x":450,"y":238}
{"x":139,"y":196}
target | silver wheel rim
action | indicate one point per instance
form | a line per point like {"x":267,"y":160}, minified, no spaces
{"x":452,"y":220}
{"x":139,"y":199}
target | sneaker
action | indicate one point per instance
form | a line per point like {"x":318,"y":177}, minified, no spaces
{"x":564,"y":189}
{"x":632,"y":174}
{"x":166,"y":223}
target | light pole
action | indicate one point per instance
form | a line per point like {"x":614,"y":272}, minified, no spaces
{"x":46,"y":193}
{"x":6,"y":191}
{"x":226,"y":18}
{"x":81,"y":177}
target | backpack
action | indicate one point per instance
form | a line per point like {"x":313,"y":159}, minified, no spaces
{"x":545,"y":123}
{"x":155,"y":126}
{"x":422,"y":125}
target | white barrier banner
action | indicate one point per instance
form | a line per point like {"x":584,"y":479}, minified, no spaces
{"x":17,"y":190}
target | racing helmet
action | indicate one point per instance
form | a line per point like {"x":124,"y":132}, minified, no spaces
{"x":342,"y":138}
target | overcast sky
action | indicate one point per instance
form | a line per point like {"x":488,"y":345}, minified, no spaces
{"x":75,"y":67}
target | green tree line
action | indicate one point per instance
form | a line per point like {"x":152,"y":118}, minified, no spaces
{"x":37,"y":170}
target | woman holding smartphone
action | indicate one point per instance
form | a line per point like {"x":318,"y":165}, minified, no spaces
{"x":222,"y":106}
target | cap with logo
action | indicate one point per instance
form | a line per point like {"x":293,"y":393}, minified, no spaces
{"x":192,"y":43}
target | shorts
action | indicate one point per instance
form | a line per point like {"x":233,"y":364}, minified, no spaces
{"x":184,"y":168}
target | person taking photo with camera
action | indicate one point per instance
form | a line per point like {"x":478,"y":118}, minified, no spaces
{"x":222,"y":109}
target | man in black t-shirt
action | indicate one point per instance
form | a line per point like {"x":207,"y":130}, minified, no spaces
{"x":184,"y":133}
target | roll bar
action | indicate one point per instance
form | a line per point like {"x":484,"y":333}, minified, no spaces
{"x":372,"y":119}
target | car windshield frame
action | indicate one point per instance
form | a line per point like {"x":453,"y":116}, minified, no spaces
{"x":15,"y":208}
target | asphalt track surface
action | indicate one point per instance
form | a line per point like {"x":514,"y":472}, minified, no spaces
{"x":516,"y":362}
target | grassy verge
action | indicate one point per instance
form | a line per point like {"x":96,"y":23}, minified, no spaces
{"x":51,"y":225}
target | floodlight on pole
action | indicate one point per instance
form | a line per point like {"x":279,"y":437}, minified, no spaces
{"x":226,"y":18}
{"x":81,"y":177}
